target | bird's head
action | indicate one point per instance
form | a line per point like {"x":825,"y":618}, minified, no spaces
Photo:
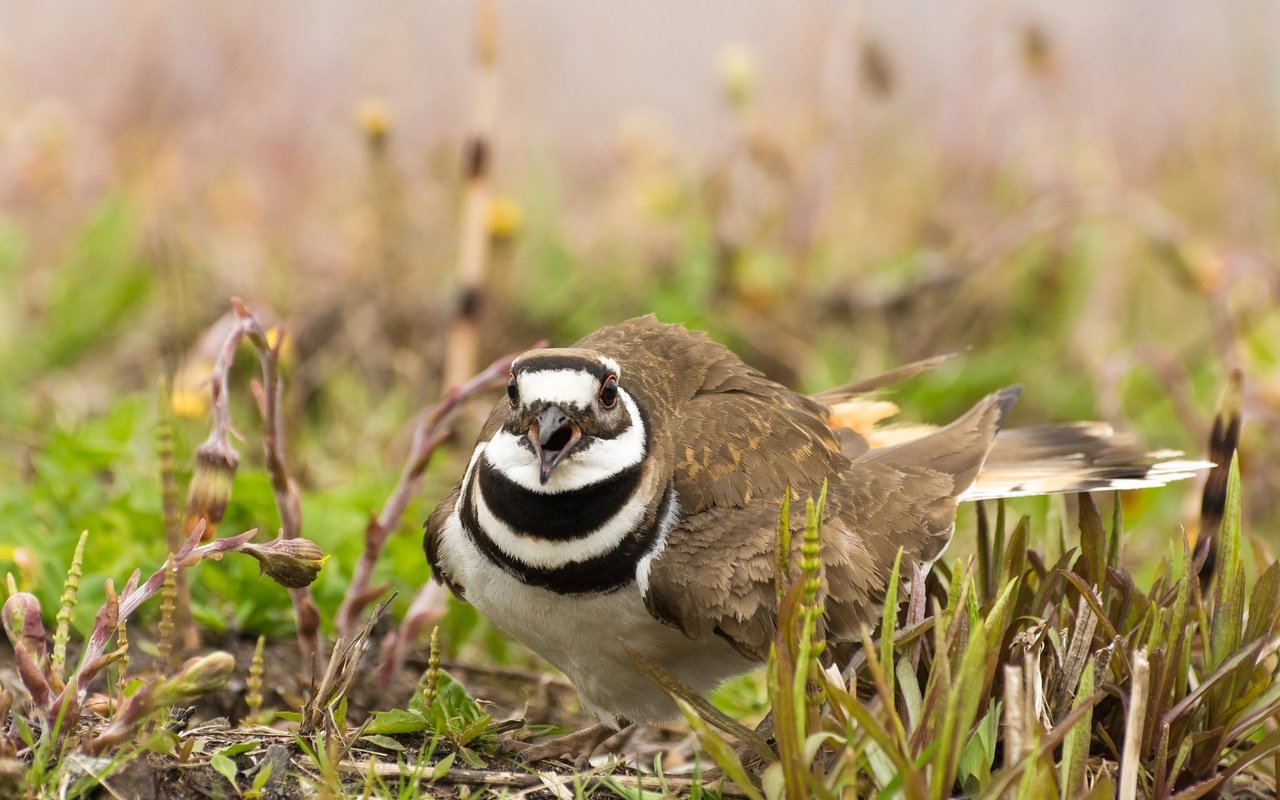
{"x":572,"y":415}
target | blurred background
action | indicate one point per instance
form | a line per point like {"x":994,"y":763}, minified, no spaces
{"x":1083,"y":197}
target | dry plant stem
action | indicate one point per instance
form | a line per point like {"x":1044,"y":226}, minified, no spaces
{"x":433,"y":428}
{"x":1014,"y":716}
{"x":342,"y":668}
{"x":288,"y":501}
{"x":463,"y":344}
{"x":483,"y":777}
{"x":1137,"y":711}
{"x":579,"y":745}
{"x":838,"y":91}
{"x":219,"y":381}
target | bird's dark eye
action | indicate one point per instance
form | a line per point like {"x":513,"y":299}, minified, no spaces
{"x":513,"y":391}
{"x":609,"y":392}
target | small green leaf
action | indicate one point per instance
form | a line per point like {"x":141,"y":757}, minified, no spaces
{"x":974,"y":767}
{"x":468,"y":733}
{"x":385,"y":742}
{"x":962,"y":700}
{"x":397,"y":720}
{"x":1075,"y":748}
{"x":225,"y":767}
{"x":472,"y":758}
{"x":782,"y":565}
{"x":340,"y":714}
{"x":1264,"y":604}
{"x":24,"y":731}
{"x":264,"y":775}
{"x":1228,"y":606}
{"x":1016,"y":561}
{"x":1093,"y":543}
{"x":909,"y":691}
{"x":889,"y":622}
{"x":442,"y":767}
{"x":240,"y":747}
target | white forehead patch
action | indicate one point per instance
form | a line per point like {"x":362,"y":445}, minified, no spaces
{"x":560,"y":386}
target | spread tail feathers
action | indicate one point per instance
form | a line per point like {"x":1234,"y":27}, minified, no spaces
{"x":1049,"y":459}
{"x":1081,"y":457}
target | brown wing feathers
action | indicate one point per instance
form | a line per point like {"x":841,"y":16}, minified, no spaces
{"x":731,"y":441}
{"x":739,"y":441}
{"x":716,"y":575}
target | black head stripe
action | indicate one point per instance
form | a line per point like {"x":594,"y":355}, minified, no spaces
{"x":554,"y":361}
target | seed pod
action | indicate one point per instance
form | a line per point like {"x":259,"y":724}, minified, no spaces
{"x":210,"y":488}
{"x":197,"y":677}
{"x":293,"y":563}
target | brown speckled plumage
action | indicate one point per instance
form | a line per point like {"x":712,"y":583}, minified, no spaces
{"x":682,"y":562}
{"x":731,"y":441}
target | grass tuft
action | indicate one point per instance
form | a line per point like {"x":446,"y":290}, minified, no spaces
{"x":1088,"y":685}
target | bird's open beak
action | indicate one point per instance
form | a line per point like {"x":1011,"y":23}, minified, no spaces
{"x":553,"y":435}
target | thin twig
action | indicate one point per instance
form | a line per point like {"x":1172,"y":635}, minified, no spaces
{"x":484,"y":777}
{"x":434,"y":427}
{"x":463,"y":343}
{"x":288,"y":500}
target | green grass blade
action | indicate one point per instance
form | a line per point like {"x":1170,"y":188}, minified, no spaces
{"x":1075,"y":748}
{"x":889,"y":622}
{"x":1093,"y":543}
{"x":1228,"y":601}
{"x":720,"y":751}
{"x":963,"y":699}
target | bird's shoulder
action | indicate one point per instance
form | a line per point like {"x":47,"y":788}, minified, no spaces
{"x":433,"y":539}
{"x":730,"y":433}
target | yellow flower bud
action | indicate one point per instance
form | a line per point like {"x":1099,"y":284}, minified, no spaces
{"x":374,"y":118}
{"x":504,"y":218}
{"x":736,"y":66}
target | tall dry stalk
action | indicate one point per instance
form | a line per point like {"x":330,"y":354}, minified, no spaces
{"x":463,"y":344}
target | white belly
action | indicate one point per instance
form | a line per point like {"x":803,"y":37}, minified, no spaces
{"x":582,"y":635}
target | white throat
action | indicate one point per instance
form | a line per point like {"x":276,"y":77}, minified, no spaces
{"x":603,"y":459}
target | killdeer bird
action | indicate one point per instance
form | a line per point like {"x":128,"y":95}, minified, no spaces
{"x":628,"y":489}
